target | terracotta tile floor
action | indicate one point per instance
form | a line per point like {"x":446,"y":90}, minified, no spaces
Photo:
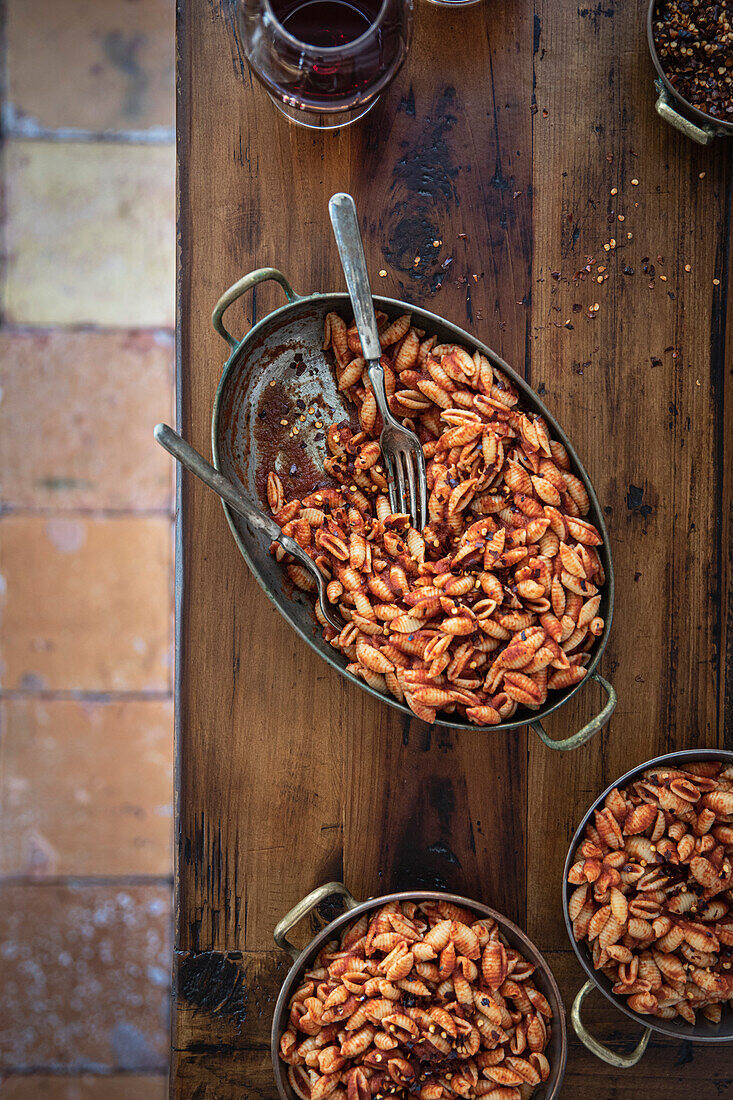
{"x":86,"y":549}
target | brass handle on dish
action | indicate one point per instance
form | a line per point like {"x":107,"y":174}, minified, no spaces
{"x":590,"y":730}
{"x":303,"y":908}
{"x":703,"y":135}
{"x":261,"y":275}
{"x":620,"y":1061}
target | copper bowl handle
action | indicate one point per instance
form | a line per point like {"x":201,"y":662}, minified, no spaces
{"x":247,"y":282}
{"x":703,"y":135}
{"x":620,"y":1061}
{"x":303,"y":908}
{"x":590,"y":730}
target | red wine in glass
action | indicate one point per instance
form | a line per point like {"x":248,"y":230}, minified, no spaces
{"x":324,"y":62}
{"x":328,"y":23}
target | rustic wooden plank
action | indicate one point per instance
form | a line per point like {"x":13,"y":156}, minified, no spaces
{"x":217,"y":218}
{"x":723,"y":335}
{"x":234,"y":992}
{"x":423,"y":810}
{"x":206,"y":1074}
{"x":258,"y":712}
{"x":639,"y":385}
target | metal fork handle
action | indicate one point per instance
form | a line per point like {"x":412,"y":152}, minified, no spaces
{"x":189,"y":457}
{"x":229,"y":492}
{"x":351,"y":250}
{"x":375,"y":371}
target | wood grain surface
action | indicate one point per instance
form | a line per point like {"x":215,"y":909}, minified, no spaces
{"x":503,"y":137}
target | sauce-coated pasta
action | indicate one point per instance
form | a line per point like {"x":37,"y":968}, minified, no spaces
{"x":420,"y":1001}
{"x":496,"y":602}
{"x":653,"y":895}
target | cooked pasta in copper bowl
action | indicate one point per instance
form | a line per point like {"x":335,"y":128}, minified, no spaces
{"x":649,"y":898}
{"x":495,"y":603}
{"x":499,"y":610}
{"x":417,"y":995}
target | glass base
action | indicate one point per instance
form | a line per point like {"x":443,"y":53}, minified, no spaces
{"x":322,"y":120}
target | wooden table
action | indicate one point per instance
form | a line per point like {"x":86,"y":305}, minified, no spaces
{"x":503,"y":137}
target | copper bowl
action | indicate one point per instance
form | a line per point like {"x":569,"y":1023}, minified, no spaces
{"x":673,"y":108}
{"x":264,"y":356}
{"x":556,"y":1051}
{"x":703,"y":1031}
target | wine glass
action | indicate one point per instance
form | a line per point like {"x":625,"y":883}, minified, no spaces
{"x":324,"y":63}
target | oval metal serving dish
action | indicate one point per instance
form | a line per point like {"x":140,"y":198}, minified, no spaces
{"x":542,"y":977}
{"x":280,"y":363}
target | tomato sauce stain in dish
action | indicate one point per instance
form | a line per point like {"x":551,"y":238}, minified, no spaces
{"x":290,"y":434}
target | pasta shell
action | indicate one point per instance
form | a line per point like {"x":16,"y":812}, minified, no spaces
{"x":447,"y":962}
{"x":609,"y":829}
{"x":619,"y":906}
{"x":720,"y":802}
{"x":705,"y":872}
{"x":645,"y":1003}
{"x":494,"y":964}
{"x":640,"y":819}
{"x":398,"y":1020}
{"x":358,"y":1042}
{"x":465,"y":940}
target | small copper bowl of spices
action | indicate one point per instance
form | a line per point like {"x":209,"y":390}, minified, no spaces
{"x":691,"y":43}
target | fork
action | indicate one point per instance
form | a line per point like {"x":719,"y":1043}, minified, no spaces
{"x":401,"y":449}
{"x":230,"y":492}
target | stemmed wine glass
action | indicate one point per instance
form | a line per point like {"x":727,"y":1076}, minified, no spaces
{"x":325,"y":62}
